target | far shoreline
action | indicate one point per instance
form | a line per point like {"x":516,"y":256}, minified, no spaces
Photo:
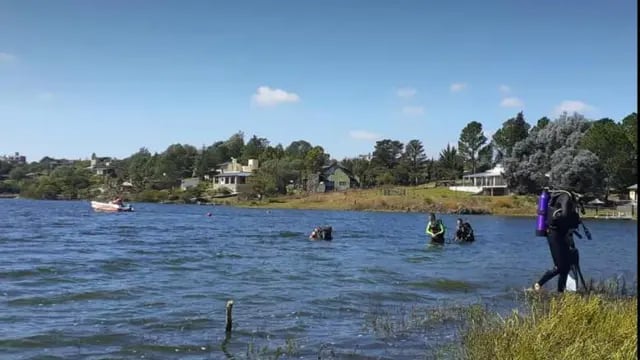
{"x":421,"y":200}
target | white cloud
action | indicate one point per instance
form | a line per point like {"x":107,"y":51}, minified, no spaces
{"x":457,"y":87}
{"x":504,"y":89}
{"x":406,"y":92}
{"x":6,"y":57}
{"x":512,"y":102}
{"x":571,"y":106}
{"x":363,"y":135}
{"x":46,"y":96}
{"x":266,"y":96}
{"x":413,"y":110}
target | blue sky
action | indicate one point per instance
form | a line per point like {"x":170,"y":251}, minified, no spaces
{"x":109,"y":77}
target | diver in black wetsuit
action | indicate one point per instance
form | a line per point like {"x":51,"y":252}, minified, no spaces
{"x":563,"y":219}
{"x":464,"y":232}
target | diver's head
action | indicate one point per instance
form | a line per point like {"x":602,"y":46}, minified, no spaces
{"x":459,"y":222}
{"x":432,"y":217}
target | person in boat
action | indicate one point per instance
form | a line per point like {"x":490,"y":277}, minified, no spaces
{"x":321,"y":233}
{"x":563,"y":219}
{"x":464,"y":231}
{"x":118,"y":201}
{"x":435,"y":229}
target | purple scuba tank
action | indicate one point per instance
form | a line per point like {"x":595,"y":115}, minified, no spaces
{"x":543,"y":203}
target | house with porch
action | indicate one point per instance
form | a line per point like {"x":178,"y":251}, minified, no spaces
{"x":101,"y":165}
{"x":331,"y":178}
{"x":233,"y":176}
{"x":490,"y":182}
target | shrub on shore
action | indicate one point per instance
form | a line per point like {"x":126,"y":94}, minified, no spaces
{"x":599,"y":324}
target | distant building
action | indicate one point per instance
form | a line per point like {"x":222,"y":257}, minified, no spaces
{"x":331,"y":178}
{"x":15,"y":159}
{"x":490,"y":182}
{"x":101,"y":166}
{"x":233,"y":176}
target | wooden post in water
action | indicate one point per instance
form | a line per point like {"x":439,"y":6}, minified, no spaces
{"x":229,"y":324}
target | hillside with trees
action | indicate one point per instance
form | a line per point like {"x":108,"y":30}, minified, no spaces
{"x":591,"y":156}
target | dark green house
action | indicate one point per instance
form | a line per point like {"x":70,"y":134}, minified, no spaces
{"x":332,"y":178}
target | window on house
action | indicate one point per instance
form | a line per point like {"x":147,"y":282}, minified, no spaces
{"x":342,"y":183}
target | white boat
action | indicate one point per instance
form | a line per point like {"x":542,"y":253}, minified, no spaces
{"x":102,"y":206}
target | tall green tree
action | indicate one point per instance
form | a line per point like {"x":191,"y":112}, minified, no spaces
{"x":554,"y":150}
{"x":272,"y":153}
{"x":415,"y":160}
{"x":630,"y":125}
{"x":254,"y":148}
{"x":298,"y":149}
{"x":541,"y":124}
{"x":387,"y":153}
{"x":513,"y":130}
{"x":610,"y":142}
{"x":141,"y":168}
{"x":450,"y":165}
{"x":471,"y":141}
{"x":315,"y":159}
{"x":235,"y":145}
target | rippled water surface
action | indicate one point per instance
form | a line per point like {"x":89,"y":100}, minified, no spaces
{"x":153,"y":284}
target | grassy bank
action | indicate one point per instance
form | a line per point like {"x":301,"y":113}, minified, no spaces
{"x":570,"y":326}
{"x":598,"y":324}
{"x":405,"y":199}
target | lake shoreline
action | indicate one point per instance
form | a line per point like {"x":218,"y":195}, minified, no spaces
{"x":439,"y":202}
{"x":411,"y":200}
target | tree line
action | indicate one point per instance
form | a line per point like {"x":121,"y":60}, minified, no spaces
{"x":591,"y":156}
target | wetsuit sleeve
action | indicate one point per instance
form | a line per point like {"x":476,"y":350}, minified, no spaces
{"x":427,"y":230}
{"x":441,"y":229}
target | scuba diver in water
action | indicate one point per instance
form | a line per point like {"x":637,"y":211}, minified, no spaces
{"x":321,"y":233}
{"x":464,"y":232}
{"x":558,"y":221}
{"x":435,"y":229}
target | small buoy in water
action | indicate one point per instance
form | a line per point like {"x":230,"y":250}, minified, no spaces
{"x":208,"y":214}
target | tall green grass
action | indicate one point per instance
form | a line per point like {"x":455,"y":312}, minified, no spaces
{"x":570,"y":326}
{"x":600,"y":322}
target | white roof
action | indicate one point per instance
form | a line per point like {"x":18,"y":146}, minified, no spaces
{"x":496,"y":171}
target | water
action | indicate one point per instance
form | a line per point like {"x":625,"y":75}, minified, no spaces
{"x":153,"y":284}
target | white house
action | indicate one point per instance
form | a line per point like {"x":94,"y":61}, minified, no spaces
{"x":490,"y":182}
{"x":233,"y":176}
